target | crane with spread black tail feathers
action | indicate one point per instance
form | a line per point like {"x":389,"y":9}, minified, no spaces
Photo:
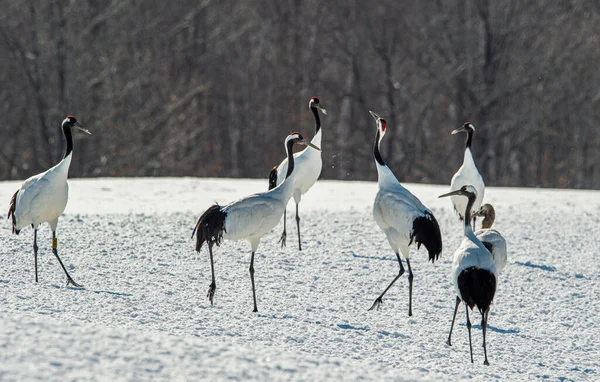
{"x":473,"y":271}
{"x":248,"y":218}
{"x":467,"y":174}
{"x":309,"y":163}
{"x":43,"y":197}
{"x":402,"y":217}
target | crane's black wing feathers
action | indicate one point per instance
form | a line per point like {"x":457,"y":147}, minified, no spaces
{"x":11,"y":212}
{"x":210,"y":227}
{"x":426,"y":231}
{"x":273,"y":178}
{"x":477,"y":288}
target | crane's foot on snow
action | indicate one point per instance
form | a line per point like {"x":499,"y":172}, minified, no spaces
{"x":72,"y":282}
{"x":448,"y":342}
{"x":211,"y":292}
{"x":377,"y":304}
{"x":282,"y":239}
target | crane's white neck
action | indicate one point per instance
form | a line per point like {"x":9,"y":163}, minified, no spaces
{"x":468,"y":162}
{"x":316,"y":141}
{"x":385,"y":177}
{"x":285,"y":190}
{"x":469,"y":232}
{"x":468,"y":157}
{"x":64,"y":164}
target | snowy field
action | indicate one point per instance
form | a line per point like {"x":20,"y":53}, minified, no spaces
{"x":143,"y":312}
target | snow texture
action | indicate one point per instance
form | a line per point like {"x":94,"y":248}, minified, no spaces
{"x":143,"y":312}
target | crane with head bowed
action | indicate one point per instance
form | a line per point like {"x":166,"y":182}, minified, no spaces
{"x":248,"y":218}
{"x":309,"y":164}
{"x":492,"y":239}
{"x":402,"y":217}
{"x":474,"y":273}
{"x":43,"y":197}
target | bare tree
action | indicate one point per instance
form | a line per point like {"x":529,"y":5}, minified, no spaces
{"x":211,"y":88}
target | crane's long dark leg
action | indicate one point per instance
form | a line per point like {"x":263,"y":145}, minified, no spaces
{"x":252,"y":279}
{"x":283,"y":234}
{"x":378,"y":300}
{"x":298,"y":225}
{"x":55,"y":251}
{"x":469,"y":329}
{"x":213,"y":285}
{"x":449,"y":342}
{"x":484,"y":319}
{"x":410,"y":285}
{"x":35,"y":249}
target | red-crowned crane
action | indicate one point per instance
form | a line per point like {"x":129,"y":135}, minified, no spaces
{"x":402,"y":217}
{"x":492,"y":240}
{"x":308,"y":163}
{"x":43,"y":198}
{"x":248,"y":218}
{"x":467,"y":174}
{"x":473,"y":271}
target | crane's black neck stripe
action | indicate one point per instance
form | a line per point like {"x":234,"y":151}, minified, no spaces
{"x":317,"y":119}
{"x":469,"y":138}
{"x":468,"y":210}
{"x":290,"y":154}
{"x":376,"y":152}
{"x":69,"y":137}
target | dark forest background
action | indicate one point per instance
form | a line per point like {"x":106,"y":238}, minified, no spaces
{"x":211,"y":88}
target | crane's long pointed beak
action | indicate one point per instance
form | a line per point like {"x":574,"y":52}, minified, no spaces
{"x":322,"y":110}
{"x":374,"y":115}
{"x":82,"y":128}
{"x":477,"y":213}
{"x":459,"y":130}
{"x":313,"y":146}
{"x":457,"y":192}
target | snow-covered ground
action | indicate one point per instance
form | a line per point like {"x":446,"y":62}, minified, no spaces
{"x":143,"y":312}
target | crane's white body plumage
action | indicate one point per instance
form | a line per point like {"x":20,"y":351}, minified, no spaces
{"x":395,"y":209}
{"x":253,"y":216}
{"x":467,"y":174}
{"x":307,"y":169}
{"x":496,"y":244}
{"x":43,"y":197}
